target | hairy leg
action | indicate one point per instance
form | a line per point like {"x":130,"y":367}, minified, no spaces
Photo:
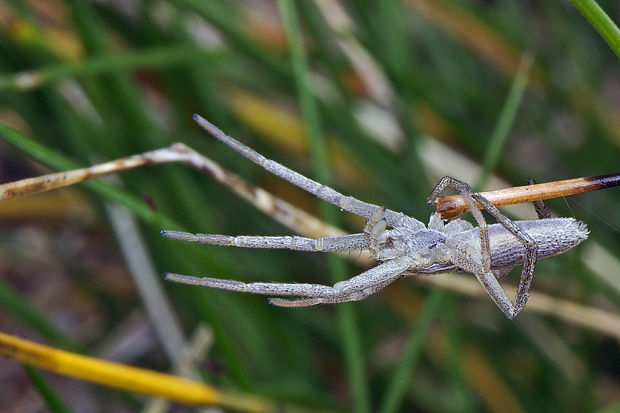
{"x":347,"y":203}
{"x":352,"y":242}
{"x":487,"y":278}
{"x":382,"y":274}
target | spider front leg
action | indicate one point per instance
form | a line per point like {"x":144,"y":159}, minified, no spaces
{"x":539,"y":206}
{"x":342,"y":298}
{"x":482,"y":271}
{"x":343,"y":243}
{"x":353,"y":289}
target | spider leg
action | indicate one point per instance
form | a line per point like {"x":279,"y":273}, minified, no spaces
{"x":501,"y":273}
{"x":352,"y":242}
{"x":466,"y":192}
{"x":380,"y":275}
{"x":497,"y":293}
{"x":529,"y":258}
{"x":307,"y":302}
{"x":483,"y":273}
{"x":327,"y":194}
{"x":354,"y":296}
{"x":292,"y":289}
{"x":374,"y":228}
{"x":343,"y":298}
{"x":541,"y":209}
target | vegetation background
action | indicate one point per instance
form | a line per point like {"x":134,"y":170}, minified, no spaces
{"x":399,"y":94}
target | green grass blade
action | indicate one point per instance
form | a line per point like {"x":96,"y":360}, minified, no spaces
{"x":613,"y":408}
{"x":505,"y":121}
{"x":52,"y":400}
{"x":120,"y":93}
{"x":351,"y":338}
{"x":217,"y":15}
{"x":402,"y":377}
{"x":29,"y":315}
{"x":603,"y":24}
{"x":159,"y":57}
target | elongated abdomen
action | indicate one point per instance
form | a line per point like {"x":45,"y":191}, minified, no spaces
{"x":553,"y":236}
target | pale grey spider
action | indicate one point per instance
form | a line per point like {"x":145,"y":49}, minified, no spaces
{"x":403,"y":245}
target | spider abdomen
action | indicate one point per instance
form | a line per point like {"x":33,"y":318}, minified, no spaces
{"x":552,"y":237}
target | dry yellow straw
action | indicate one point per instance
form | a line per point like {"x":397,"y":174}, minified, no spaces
{"x":125,"y":377}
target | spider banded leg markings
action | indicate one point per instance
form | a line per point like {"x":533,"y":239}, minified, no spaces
{"x":325,"y":193}
{"x":352,"y":242}
{"x":340,"y":292}
{"x":402,"y":245}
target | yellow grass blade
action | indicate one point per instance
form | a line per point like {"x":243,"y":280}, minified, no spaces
{"x":123,"y":377}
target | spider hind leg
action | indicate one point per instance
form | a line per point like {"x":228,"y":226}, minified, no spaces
{"x":482,"y":270}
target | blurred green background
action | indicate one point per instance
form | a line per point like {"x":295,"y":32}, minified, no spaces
{"x":397,"y":94}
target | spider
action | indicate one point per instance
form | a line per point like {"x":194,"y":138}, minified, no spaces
{"x":402,"y":245}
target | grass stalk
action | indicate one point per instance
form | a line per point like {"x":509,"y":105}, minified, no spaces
{"x":47,"y":392}
{"x":125,"y":377}
{"x":13,"y":302}
{"x":402,"y":377}
{"x":158,"y":58}
{"x":601,"y":22}
{"x":505,"y":121}
{"x":346,"y":314}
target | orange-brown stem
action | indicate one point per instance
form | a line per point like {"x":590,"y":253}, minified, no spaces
{"x":452,"y":206}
